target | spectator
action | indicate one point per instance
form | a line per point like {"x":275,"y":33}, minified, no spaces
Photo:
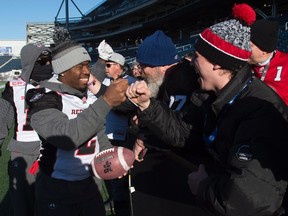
{"x":138,"y":41}
{"x":116,"y":68}
{"x":117,"y":131}
{"x":241,"y":121}
{"x":173,"y":81}
{"x":25,"y":144}
{"x":71,"y":129}
{"x":269,"y":64}
{"x":98,"y":69}
{"x":136,"y":70}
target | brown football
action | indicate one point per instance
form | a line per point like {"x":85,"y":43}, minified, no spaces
{"x":112,"y":163}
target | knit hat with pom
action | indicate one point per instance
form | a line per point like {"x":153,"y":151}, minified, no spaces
{"x":228,"y":43}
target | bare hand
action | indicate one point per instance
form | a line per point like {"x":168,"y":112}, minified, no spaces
{"x":139,"y":93}
{"x":139,"y":150}
{"x":195,"y":178}
{"x":135,"y":119}
{"x":94,"y":84}
{"x":115,"y":93}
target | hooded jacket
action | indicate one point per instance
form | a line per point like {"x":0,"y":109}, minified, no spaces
{"x":25,"y":139}
{"x":29,"y":55}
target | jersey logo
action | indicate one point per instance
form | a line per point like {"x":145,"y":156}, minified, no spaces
{"x":177,"y":102}
{"x":36,"y":97}
{"x":76,"y":111}
{"x":243,"y":153}
{"x":17,"y":83}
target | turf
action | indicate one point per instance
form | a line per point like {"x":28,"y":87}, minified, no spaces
{"x":4,"y":199}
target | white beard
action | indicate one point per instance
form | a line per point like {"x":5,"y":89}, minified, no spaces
{"x":154,"y":87}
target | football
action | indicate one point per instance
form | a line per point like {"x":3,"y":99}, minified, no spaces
{"x":112,"y":163}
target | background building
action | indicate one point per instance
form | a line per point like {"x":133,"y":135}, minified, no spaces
{"x":125,"y":23}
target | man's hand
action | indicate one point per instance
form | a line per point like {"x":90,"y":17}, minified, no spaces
{"x":195,"y":178}
{"x":139,"y":150}
{"x":115,"y":93}
{"x":94,"y":84}
{"x":140,"y":94}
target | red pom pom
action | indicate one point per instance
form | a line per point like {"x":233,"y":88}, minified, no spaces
{"x":244,"y":12}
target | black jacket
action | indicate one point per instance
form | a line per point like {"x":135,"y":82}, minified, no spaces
{"x":248,"y":175}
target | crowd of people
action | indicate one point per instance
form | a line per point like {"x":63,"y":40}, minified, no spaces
{"x":208,"y":130}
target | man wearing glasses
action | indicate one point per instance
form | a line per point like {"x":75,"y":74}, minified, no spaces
{"x":158,"y":180}
{"x":25,"y":144}
{"x":117,"y":131}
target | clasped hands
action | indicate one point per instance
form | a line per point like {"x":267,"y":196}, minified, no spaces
{"x":139,"y":94}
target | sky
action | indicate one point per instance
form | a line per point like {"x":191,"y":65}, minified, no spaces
{"x":17,"y":13}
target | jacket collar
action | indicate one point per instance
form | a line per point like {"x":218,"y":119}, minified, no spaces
{"x":55,"y":85}
{"x":232,"y":88}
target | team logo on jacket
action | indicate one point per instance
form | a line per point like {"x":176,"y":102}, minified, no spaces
{"x":36,"y":97}
{"x":243,"y":153}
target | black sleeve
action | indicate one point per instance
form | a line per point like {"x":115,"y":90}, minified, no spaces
{"x":101,"y":90}
{"x":172,"y":127}
{"x":7,"y":93}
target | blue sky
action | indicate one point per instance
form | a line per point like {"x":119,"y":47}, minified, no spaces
{"x":16,"y":13}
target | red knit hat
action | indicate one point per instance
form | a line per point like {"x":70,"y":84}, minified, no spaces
{"x":228,"y":43}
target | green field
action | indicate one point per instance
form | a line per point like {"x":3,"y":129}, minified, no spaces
{"x":4,"y":199}
{"x":4,"y":204}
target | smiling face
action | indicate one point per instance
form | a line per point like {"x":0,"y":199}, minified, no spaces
{"x":211,"y":76}
{"x":77,"y":76}
{"x":205,"y":70}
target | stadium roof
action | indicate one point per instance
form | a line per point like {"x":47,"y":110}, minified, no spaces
{"x":124,"y":20}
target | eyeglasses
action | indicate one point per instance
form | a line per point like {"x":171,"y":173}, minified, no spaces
{"x":44,"y":57}
{"x":108,"y":65}
{"x":141,"y":66}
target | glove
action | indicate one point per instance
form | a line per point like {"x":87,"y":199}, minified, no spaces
{"x":105,"y":50}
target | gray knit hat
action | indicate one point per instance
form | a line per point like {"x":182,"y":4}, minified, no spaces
{"x":68,"y":54}
{"x":118,"y":58}
{"x":29,"y":55}
{"x":228,"y":43}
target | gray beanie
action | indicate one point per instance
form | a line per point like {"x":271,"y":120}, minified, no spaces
{"x":68,"y":54}
{"x":116,"y":57}
{"x":29,"y":55}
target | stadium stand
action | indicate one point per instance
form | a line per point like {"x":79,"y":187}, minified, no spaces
{"x":4,"y":59}
{"x":283,"y":34}
{"x":121,"y":22}
{"x":10,"y":68}
{"x":13,"y":63}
